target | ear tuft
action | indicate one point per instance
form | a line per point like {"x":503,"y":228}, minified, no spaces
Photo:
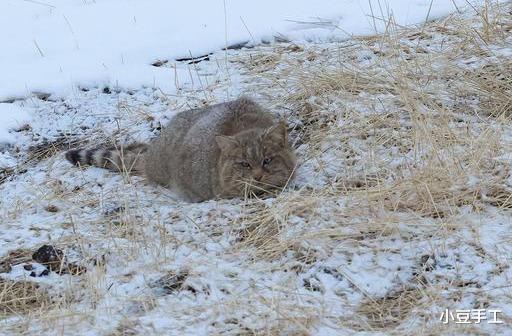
{"x":278,"y":133}
{"x":225,"y":142}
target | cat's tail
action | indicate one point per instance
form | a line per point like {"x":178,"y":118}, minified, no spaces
{"x":121,"y":159}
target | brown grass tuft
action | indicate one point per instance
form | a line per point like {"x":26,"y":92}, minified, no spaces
{"x":21,"y":297}
{"x":391,"y":310}
{"x":14,"y":257}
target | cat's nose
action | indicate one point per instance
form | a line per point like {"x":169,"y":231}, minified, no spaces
{"x":258,"y":174}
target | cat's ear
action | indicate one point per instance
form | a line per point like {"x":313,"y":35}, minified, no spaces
{"x":226,"y":142}
{"x":277,"y":133}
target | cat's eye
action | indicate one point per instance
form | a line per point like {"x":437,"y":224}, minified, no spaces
{"x":266,"y":161}
{"x":245,"y":164}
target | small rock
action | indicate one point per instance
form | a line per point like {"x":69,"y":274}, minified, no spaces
{"x":114,"y":211}
{"x":25,"y":127}
{"x":171,"y":282}
{"x":159,"y":63}
{"x":428,"y":262}
{"x":45,"y":272}
{"x":50,"y":256}
{"x":312,"y":284}
{"x":51,"y":208}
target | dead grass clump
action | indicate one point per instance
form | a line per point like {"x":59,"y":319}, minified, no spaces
{"x":491,"y":85}
{"x":263,"y":223}
{"x":495,"y":23}
{"x":6,"y":173}
{"x":499,"y":196}
{"x":21,"y":297}
{"x":427,"y":191}
{"x":48,"y":149}
{"x":13,"y":258}
{"x":127,"y":327}
{"x":261,"y":230}
{"x":276,"y":331}
{"x":37,"y":153}
{"x":392,"y":310}
{"x":441,"y":189}
{"x":171,"y":282}
{"x":318,"y":81}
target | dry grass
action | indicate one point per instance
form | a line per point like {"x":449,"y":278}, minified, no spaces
{"x":420,"y":131}
{"x":15,"y":257}
{"x":391,"y":310}
{"x":21,"y":297}
{"x":262,"y":223}
{"x":440,"y":147}
{"x":491,"y":85}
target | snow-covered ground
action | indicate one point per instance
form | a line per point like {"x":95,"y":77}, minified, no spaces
{"x":400,"y":210}
{"x":57,"y":46}
{"x":12,"y":118}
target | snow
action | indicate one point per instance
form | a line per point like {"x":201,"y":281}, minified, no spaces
{"x":57,"y":46}
{"x":11,"y":117}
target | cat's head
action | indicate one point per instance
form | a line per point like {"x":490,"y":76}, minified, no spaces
{"x":255,"y":161}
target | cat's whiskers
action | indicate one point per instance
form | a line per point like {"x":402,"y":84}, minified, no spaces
{"x":259,"y":187}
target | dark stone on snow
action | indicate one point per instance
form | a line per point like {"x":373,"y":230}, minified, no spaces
{"x":49,"y":256}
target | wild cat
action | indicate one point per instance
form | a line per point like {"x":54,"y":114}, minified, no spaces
{"x":227,"y":150}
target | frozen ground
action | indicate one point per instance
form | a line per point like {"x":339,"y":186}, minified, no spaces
{"x":401,"y":207}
